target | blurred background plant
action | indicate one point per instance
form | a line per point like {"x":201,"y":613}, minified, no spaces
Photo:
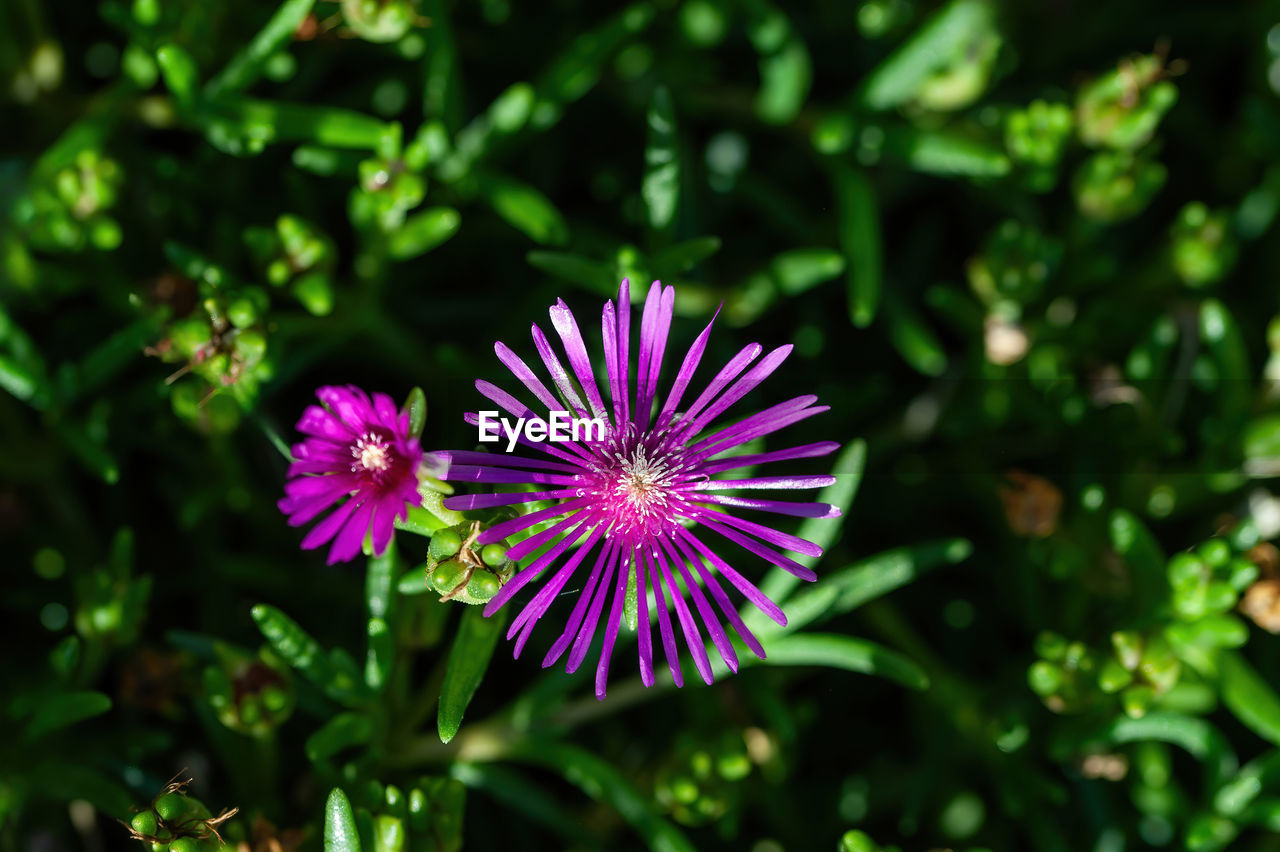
{"x":1026,"y":252}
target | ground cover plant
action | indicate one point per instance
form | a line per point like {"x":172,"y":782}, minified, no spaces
{"x":938,"y":470}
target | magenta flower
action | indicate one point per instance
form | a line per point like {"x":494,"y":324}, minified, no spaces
{"x":356,"y":449}
{"x":643,"y":500}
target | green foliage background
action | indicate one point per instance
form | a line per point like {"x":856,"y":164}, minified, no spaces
{"x":1025,"y":251}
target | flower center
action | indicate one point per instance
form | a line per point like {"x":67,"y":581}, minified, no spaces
{"x":371,"y":453}
{"x":642,"y":481}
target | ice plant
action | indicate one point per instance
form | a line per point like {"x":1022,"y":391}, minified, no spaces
{"x":358,"y":451}
{"x":643,"y":503}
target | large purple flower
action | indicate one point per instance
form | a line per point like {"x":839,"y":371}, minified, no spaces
{"x":644,"y":499}
{"x":358,"y":449}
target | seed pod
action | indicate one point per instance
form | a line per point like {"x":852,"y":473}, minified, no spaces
{"x":447,"y":575}
{"x":144,"y":822}
{"x":171,"y":806}
{"x":483,"y":586}
{"x":444,"y":544}
{"x":494,"y":555}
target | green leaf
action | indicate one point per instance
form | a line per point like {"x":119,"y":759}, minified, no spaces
{"x":514,"y":791}
{"x":341,"y":732}
{"x":1225,"y":342}
{"x":1135,"y":543}
{"x":898,"y":78}
{"x":851,"y":587}
{"x":74,"y":780}
{"x":858,"y":215}
{"x":599,"y":780}
{"x":845,"y":652}
{"x":281,"y":121}
{"x":1200,"y":739}
{"x":23,"y":383}
{"x":422,"y":232}
{"x":786,"y":71}
{"x":799,"y":270}
{"x":381,"y":654}
{"x":468,"y":659}
{"x":415,"y":405}
{"x":938,"y":152}
{"x":413,"y":582}
{"x":63,"y":709}
{"x":660,"y":187}
{"x":114,"y":354}
{"x":576,"y":70}
{"x":683,"y":256}
{"x":1249,"y":697}
{"x":592,"y":274}
{"x":442,"y":89}
{"x":377,"y":583}
{"x":296,"y":647}
{"x":914,"y":340}
{"x":823,"y":531}
{"x":525,"y":209}
{"x":246,"y":66}
{"x":179,"y":71}
{"x":340,"y":834}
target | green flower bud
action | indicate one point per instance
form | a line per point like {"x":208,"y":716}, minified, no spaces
{"x":419,"y":811}
{"x":275,"y":699}
{"x":242,"y":313}
{"x":1044,"y":678}
{"x":105,"y":233}
{"x":315,"y":292}
{"x":1137,"y":700}
{"x":1185,"y":571}
{"x":250,"y":711}
{"x":857,"y":841}
{"x":494,"y":555}
{"x":250,"y":347}
{"x":1113,"y":676}
{"x":395,"y":801}
{"x":144,"y":822}
{"x":279,"y":271}
{"x":1038,"y":135}
{"x":184,"y":844}
{"x":1051,"y":646}
{"x":1128,"y":648}
{"x":1215,"y":552}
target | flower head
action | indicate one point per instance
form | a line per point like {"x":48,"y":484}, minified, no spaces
{"x":641,"y":503}
{"x":358,"y":449}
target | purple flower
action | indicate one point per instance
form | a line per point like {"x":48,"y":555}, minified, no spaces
{"x":357,"y":451}
{"x":643,"y":502}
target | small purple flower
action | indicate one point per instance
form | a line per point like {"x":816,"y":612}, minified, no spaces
{"x":644,"y":499}
{"x":357,"y":449}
